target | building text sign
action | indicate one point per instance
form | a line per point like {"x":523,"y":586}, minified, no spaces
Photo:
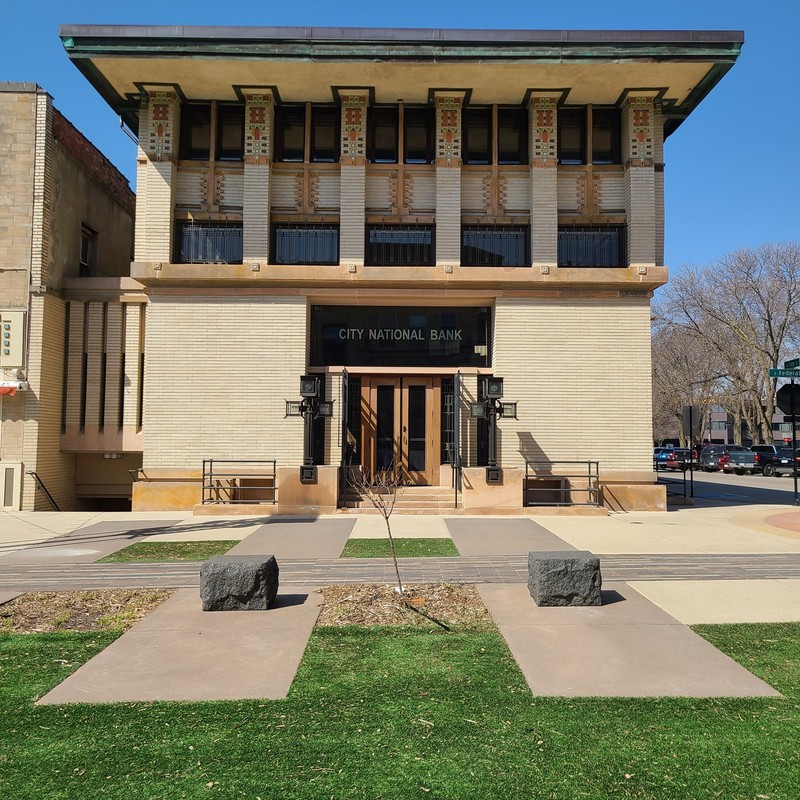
{"x":389,"y":336}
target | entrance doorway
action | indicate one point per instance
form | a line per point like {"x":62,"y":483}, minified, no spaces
{"x":400,"y":426}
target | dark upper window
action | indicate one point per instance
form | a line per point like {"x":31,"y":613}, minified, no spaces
{"x":571,"y":135}
{"x":382,"y":135}
{"x":290,"y":133}
{"x":573,"y":127}
{"x":512,"y":136}
{"x":230,"y":132}
{"x":418,"y":135}
{"x":305,"y":244}
{"x":196,"y":124}
{"x":591,"y":246}
{"x":476,"y":135}
{"x":479,"y":138}
{"x":606,"y":143}
{"x":325,"y":122}
{"x":495,"y":246}
{"x":208,"y":243}
{"x":88,"y":261}
{"x":400,"y":245}
{"x":196,"y":131}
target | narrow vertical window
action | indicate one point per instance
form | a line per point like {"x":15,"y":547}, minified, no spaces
{"x":290,"y":132}
{"x":476,"y":135}
{"x":382,"y":135}
{"x":88,"y":261}
{"x":325,"y":122}
{"x":605,"y":136}
{"x":195,"y":142}
{"x":571,"y":135}
{"x":512,"y":136}
{"x":418,"y":135}
{"x":230,"y":132}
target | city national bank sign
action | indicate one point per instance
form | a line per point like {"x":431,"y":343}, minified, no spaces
{"x":399,"y":336}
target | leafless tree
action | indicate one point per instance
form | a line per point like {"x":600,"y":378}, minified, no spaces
{"x":682,"y":375}
{"x":381,"y":488}
{"x":744,"y":309}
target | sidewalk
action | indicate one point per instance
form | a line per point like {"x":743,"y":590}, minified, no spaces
{"x":633,"y":645}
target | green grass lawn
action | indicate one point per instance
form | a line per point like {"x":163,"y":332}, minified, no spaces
{"x":406,"y":548}
{"x":399,"y":713}
{"x":171,"y":551}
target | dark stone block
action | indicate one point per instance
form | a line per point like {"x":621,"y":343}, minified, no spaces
{"x":564,"y":578}
{"x":238,"y":583}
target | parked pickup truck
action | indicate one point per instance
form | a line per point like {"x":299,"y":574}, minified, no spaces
{"x":784,"y":463}
{"x":728,"y":458}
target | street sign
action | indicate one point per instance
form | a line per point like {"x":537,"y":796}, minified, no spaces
{"x":792,"y":363}
{"x":784,"y":373}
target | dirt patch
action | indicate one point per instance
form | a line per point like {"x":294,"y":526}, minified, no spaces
{"x":443,"y":604}
{"x":448,"y":604}
{"x":106,"y":610}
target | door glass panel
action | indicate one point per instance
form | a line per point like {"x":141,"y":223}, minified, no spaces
{"x":384,"y":424}
{"x":416,"y":428}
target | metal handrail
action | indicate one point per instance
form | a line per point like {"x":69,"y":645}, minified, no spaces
{"x":231,"y":486}
{"x":44,"y":488}
{"x":566,"y":491}
{"x":454,"y":458}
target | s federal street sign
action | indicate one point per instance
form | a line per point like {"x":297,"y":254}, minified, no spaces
{"x":784,"y":373}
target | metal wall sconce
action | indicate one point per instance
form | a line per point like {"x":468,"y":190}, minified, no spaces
{"x":490,"y":408}
{"x":310,"y":408}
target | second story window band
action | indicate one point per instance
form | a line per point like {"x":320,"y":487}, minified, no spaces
{"x":305,"y":244}
{"x":495,"y":246}
{"x":400,"y":246}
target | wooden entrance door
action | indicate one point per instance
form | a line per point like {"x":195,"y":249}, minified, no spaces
{"x":401,"y":426}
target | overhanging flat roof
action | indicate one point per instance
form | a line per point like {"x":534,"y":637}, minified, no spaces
{"x":491,"y":66}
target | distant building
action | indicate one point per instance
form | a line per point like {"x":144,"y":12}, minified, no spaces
{"x":402,"y":214}
{"x":66,"y":216}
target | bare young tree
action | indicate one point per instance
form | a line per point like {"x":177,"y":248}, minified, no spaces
{"x":381,"y":488}
{"x":745,"y":309}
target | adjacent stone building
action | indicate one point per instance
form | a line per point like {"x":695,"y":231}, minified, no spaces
{"x":403,"y":214}
{"x":66,"y":216}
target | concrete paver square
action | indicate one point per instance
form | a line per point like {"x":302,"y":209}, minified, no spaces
{"x":409,"y":526}
{"x":482,"y":536}
{"x":627,"y":648}
{"x":200,"y":532}
{"x":297,"y":537}
{"x":181,"y":652}
{"x":716,"y":602}
{"x":86,"y":545}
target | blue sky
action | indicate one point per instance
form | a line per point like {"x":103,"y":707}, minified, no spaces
{"x":732,"y":171}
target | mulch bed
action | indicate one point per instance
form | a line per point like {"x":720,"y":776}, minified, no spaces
{"x":439,"y":604}
{"x":443,"y":604}
{"x":103,"y":610}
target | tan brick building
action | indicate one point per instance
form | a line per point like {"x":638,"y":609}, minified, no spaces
{"x":66,"y":217}
{"x":402,"y":213}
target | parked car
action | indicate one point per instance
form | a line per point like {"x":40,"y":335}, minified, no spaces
{"x":766,"y":454}
{"x":728,"y":458}
{"x":784,"y":463}
{"x":680,"y":458}
{"x":661,"y":456}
